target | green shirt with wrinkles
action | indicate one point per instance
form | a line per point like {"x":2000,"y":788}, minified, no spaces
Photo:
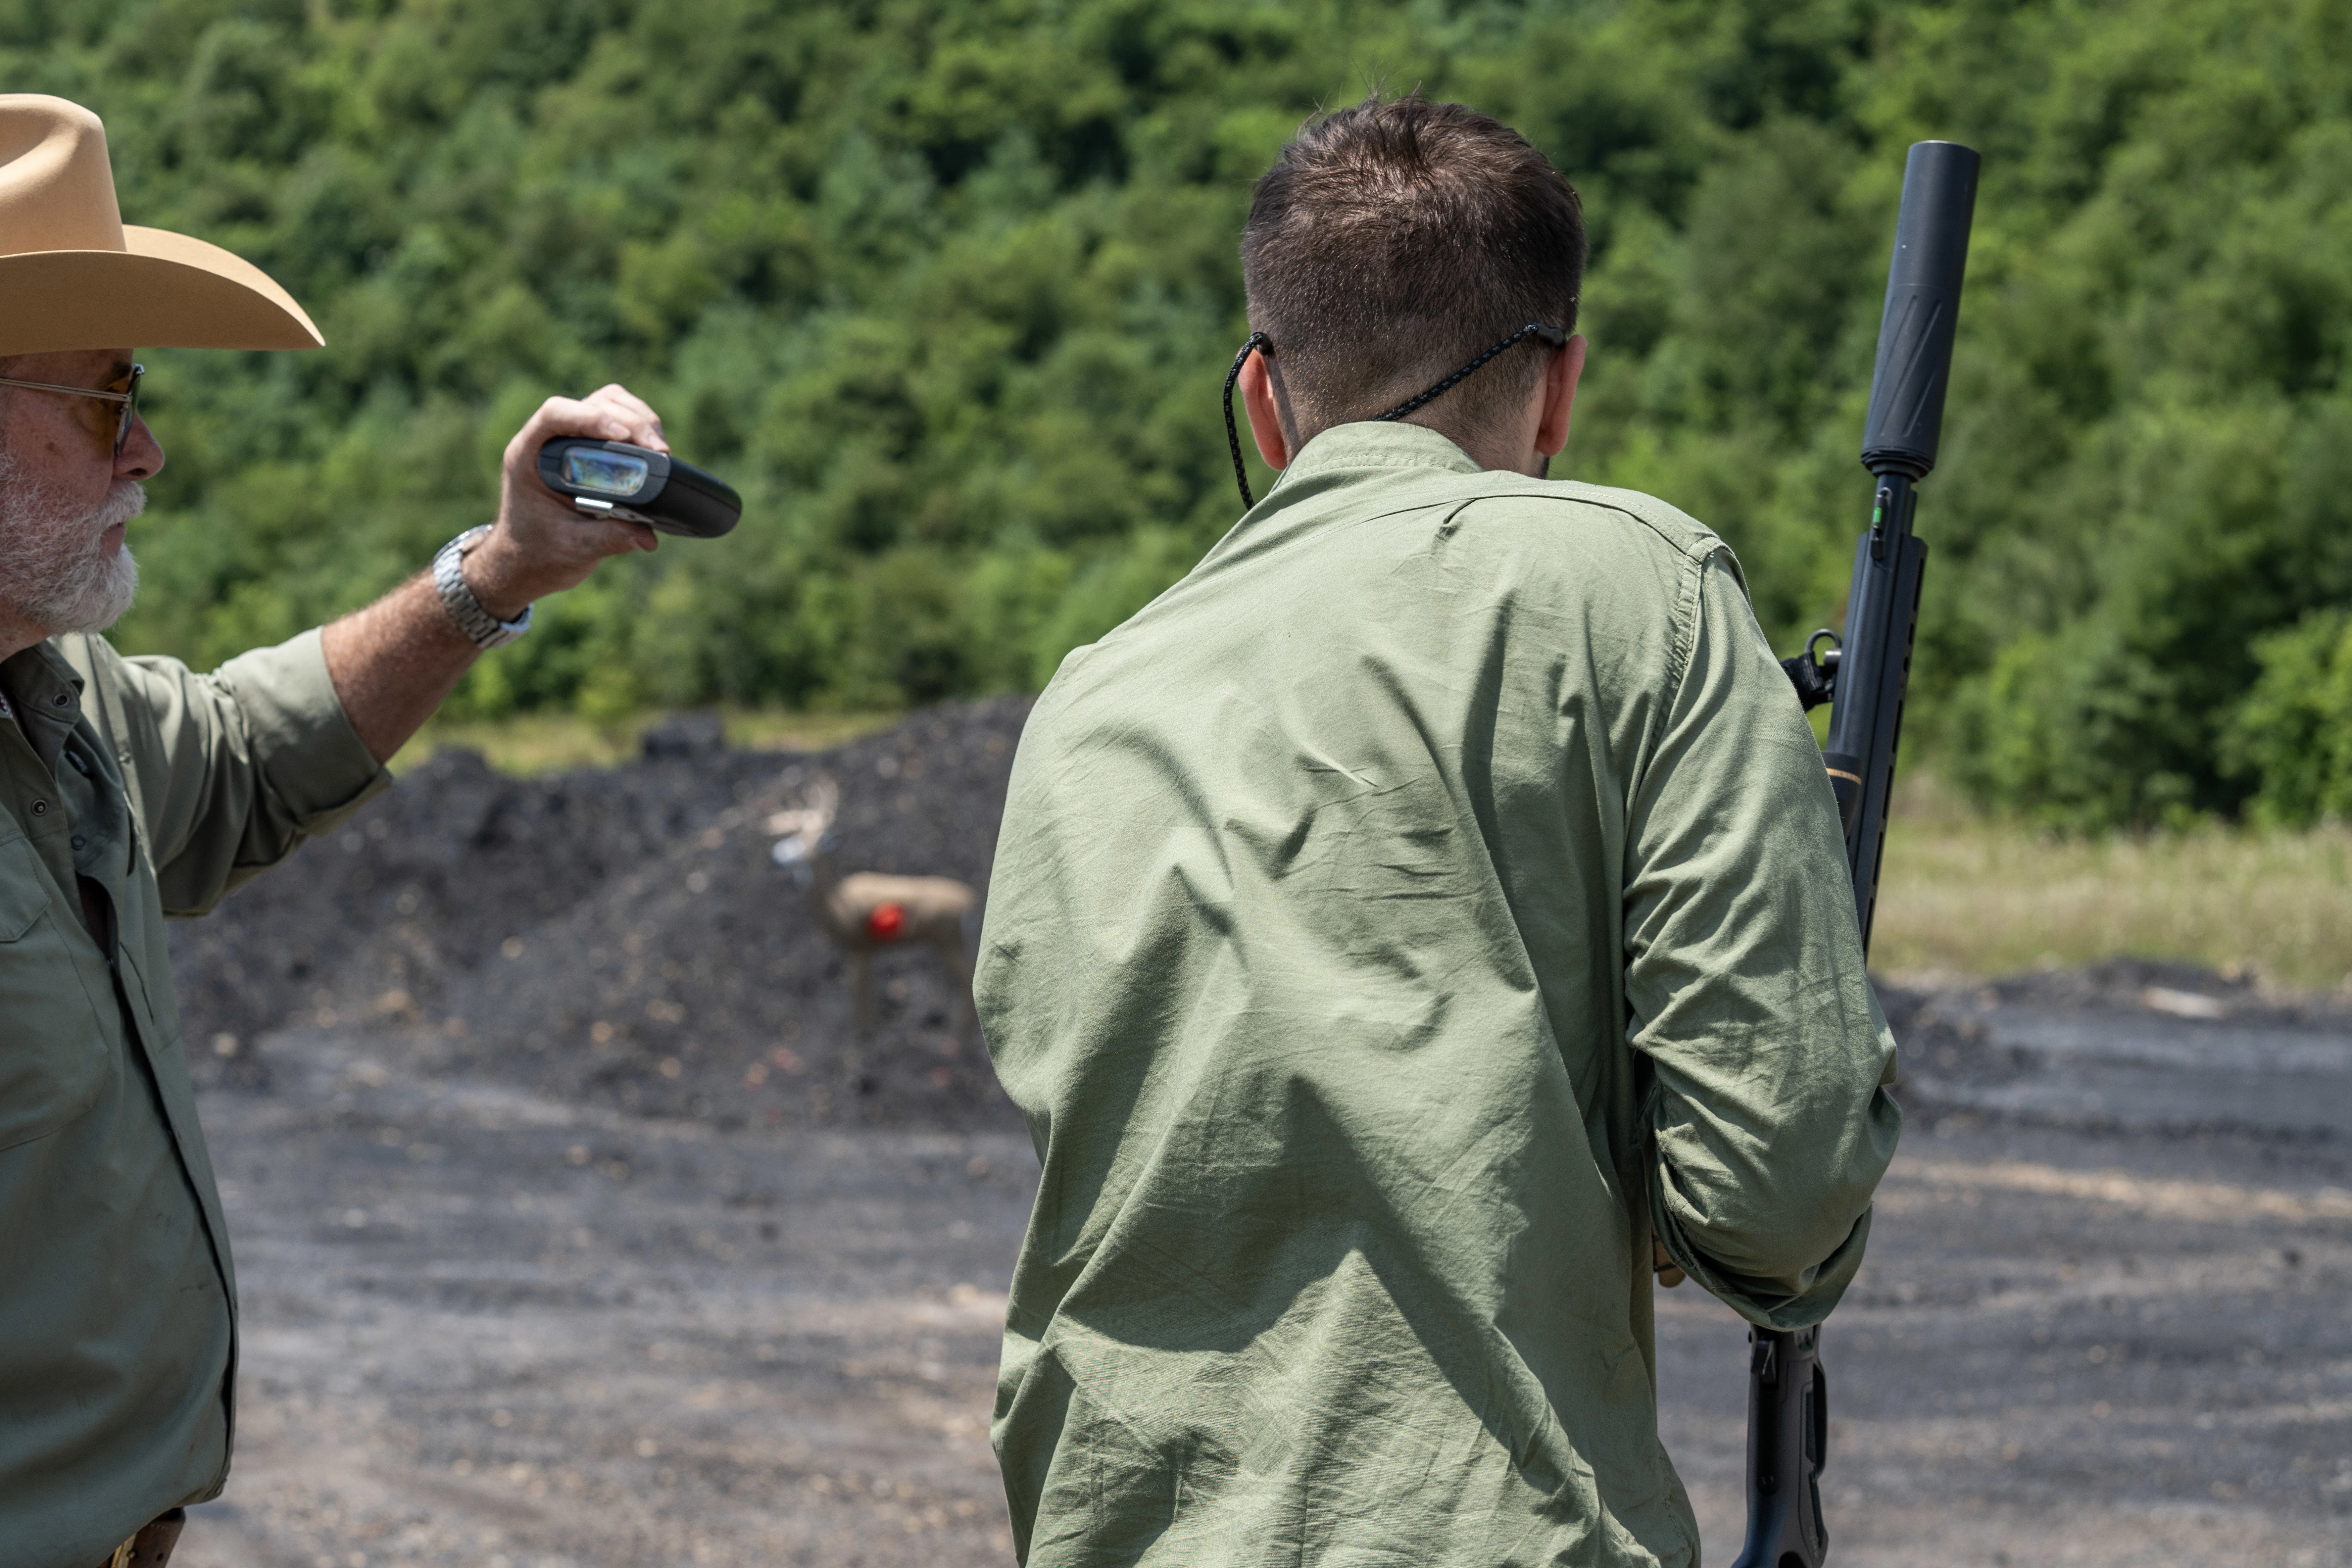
{"x":1393,"y":924}
{"x":157,"y":790}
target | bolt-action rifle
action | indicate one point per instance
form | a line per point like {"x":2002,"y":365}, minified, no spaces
{"x":1864,"y":675}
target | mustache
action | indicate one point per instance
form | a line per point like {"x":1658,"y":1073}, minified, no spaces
{"x":125,"y":501}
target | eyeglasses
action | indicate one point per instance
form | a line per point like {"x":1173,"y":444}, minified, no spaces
{"x":128,"y":397}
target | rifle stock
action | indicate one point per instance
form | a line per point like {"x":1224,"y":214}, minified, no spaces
{"x":1866,"y":677}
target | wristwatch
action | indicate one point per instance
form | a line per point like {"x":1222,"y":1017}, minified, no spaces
{"x":487,"y":630}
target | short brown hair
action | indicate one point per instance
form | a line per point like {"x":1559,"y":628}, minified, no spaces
{"x":1393,"y":242}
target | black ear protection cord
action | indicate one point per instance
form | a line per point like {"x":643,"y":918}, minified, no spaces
{"x":1233,"y":436}
{"x":1557,"y":337}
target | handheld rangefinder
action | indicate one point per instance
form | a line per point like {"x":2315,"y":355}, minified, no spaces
{"x":613,"y":478}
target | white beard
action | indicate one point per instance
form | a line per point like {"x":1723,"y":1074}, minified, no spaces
{"x":55,"y":573}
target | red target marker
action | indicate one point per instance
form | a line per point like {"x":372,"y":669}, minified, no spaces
{"x":886,"y":922}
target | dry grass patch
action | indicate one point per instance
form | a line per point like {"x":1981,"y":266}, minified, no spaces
{"x":1964,"y":895}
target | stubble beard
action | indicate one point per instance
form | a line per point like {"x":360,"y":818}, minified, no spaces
{"x":54,"y":572}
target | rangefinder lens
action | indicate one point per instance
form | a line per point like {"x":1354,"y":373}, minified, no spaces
{"x":608,"y":473}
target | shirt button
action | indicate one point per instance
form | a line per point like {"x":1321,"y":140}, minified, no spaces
{"x":40,"y":809}
{"x":61,"y":700}
{"x":79,"y":841}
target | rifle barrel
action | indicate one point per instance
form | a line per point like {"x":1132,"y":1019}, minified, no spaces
{"x":1898,"y":445}
{"x":1787,"y":1392}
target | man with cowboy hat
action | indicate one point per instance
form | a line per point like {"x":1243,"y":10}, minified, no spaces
{"x":132,"y":789}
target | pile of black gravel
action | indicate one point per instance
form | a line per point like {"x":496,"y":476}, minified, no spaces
{"x":623,"y":934}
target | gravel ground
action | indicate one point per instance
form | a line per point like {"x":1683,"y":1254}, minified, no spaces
{"x":484,"y":1323}
{"x":485,"y":1326}
{"x":2068,"y":1349}
{"x":500,"y":1311}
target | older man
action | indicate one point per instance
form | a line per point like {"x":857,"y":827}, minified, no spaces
{"x":132,"y":789}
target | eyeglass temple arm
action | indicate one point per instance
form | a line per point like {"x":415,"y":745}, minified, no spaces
{"x":102,"y":394}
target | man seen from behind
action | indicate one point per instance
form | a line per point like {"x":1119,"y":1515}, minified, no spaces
{"x":1405,"y":930}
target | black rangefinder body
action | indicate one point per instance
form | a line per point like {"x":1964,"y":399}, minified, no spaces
{"x":615,"y":479}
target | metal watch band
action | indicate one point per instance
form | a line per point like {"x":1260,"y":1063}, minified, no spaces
{"x":485,"y":630}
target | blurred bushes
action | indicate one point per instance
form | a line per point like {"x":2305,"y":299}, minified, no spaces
{"x":948,"y":287}
{"x":2293,"y":732}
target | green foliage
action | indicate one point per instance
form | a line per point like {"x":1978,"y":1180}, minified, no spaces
{"x":2293,"y":730}
{"x":948,"y":287}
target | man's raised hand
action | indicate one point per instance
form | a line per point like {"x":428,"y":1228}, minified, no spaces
{"x":542,"y":543}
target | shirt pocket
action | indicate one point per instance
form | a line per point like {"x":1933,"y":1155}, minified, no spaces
{"x":53,"y":1057}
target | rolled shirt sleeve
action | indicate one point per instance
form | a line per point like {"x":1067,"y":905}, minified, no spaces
{"x":232,"y":769}
{"x":1770,"y":1108}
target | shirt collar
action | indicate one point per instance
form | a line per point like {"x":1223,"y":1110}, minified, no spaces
{"x":36,"y":674}
{"x":46,"y":692}
{"x":1375,"y":445}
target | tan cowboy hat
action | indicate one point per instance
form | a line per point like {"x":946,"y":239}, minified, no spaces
{"x":73,"y":275}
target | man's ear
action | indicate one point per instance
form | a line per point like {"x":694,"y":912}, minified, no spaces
{"x":1264,"y":413}
{"x":1560,"y":397}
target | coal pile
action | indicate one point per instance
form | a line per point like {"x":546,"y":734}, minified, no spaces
{"x":623,"y":934}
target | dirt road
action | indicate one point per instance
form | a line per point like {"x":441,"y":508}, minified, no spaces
{"x":491,"y":1328}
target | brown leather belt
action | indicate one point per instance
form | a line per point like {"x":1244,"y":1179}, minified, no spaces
{"x":152,"y":1547}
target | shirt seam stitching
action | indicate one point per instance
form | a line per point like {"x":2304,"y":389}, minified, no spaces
{"x":1691,"y":610}
{"x":1690,"y":550}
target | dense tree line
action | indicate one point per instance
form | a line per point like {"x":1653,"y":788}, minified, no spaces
{"x":948,"y":286}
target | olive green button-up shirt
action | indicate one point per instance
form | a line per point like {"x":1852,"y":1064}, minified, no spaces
{"x":134,"y":789}
{"x":1393,"y":925}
